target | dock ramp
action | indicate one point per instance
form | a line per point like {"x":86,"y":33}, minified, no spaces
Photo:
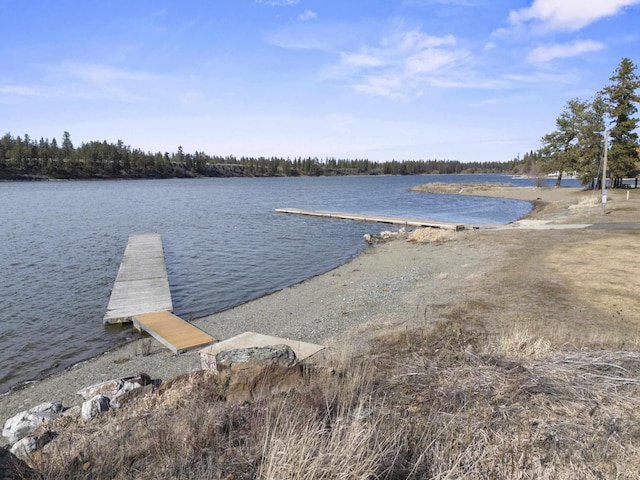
{"x":171,"y":331}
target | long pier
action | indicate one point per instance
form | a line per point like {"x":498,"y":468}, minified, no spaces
{"x":411,"y":222}
{"x":141,"y":295}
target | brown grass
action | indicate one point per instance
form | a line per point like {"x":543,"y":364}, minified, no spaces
{"x":435,"y":235}
{"x":604,"y":273}
{"x":446,"y":401}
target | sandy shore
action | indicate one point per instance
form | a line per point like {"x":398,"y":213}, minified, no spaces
{"x":394,"y":284}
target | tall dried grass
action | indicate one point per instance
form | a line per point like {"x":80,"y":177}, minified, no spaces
{"x":441,"y":401}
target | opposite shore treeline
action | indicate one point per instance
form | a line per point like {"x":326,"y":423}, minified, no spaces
{"x":22,"y":158}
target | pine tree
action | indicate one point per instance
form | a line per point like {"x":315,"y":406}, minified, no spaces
{"x":621,"y":99}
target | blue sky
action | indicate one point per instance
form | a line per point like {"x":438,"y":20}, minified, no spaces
{"x":468,"y":80}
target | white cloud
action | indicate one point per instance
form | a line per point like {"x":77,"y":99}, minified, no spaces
{"x":568,"y":15}
{"x":361,"y":60}
{"x":102,"y":74}
{"x":547,"y":53}
{"x":399,"y":64}
{"x":21,"y":90}
{"x":90,"y":82}
{"x":424,"y":3}
{"x":277,"y":3}
{"x":308,"y":15}
{"x":428,"y":61}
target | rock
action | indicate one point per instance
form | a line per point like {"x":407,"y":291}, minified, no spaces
{"x":72,"y":413}
{"x":23,"y":447}
{"x":91,"y":408}
{"x":111,"y":388}
{"x":384,"y":236}
{"x":27,"y":422}
{"x":26,"y":446}
{"x":12,"y":468}
{"x":125,"y":397}
{"x":247,"y":373}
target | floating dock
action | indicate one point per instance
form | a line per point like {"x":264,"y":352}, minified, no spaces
{"x":142,"y":284}
{"x":410,"y":222}
{"x":171,"y":331}
{"x":141,"y":295}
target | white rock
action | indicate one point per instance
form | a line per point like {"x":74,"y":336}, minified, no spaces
{"x":96,"y":405}
{"x":26,"y":422}
{"x":115,"y":387}
{"x":108,"y":389}
{"x":24,"y":447}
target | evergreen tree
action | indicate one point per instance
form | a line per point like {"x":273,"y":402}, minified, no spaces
{"x":576,"y":144}
{"x":620,"y":99}
{"x":67,"y":146}
{"x":559,"y":148}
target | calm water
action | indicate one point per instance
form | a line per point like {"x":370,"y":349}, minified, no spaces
{"x":61,"y":244}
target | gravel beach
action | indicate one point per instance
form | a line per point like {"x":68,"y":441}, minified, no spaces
{"x":394,"y":284}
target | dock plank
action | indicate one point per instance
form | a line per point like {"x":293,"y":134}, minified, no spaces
{"x":142,"y":283}
{"x":172,"y":331}
{"x":412,"y":222}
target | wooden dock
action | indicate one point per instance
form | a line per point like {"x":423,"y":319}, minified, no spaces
{"x":409,"y":222}
{"x":141,"y":295}
{"x":142,"y":284}
{"x":171,"y":331}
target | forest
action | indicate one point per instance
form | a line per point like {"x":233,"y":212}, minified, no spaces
{"x":585,"y":130}
{"x":22,"y":158}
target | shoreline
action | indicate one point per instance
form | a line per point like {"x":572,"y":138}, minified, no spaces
{"x":388,"y":285}
{"x":323,"y":309}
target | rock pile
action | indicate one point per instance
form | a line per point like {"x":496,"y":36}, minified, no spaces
{"x":24,"y":430}
{"x":242,"y":375}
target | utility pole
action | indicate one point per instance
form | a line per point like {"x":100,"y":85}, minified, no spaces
{"x":604,"y":170}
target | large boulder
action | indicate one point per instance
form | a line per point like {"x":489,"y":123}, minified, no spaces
{"x":247,"y":373}
{"x":94,"y":406}
{"x":24,"y":447}
{"x":112,"y":388}
{"x":28,"y":421}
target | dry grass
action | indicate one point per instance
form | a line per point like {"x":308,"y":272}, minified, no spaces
{"x":592,"y":200}
{"x":445,"y":401}
{"x":432,"y":235}
{"x":604,"y":273}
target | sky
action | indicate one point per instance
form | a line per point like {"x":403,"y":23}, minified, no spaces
{"x":467,"y":80}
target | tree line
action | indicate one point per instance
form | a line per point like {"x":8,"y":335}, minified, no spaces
{"x":25,"y":158}
{"x":584,"y":126}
